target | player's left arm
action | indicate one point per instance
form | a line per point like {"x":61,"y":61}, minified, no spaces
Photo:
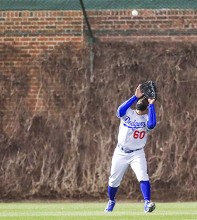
{"x":152,"y":119}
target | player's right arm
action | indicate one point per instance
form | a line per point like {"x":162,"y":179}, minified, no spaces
{"x":122,"y":109}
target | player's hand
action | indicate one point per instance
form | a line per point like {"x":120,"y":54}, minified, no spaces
{"x":151,"y":101}
{"x":138,"y":92}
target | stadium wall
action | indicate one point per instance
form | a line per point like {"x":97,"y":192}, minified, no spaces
{"x":38,"y":79}
{"x":26,"y":34}
{"x":35,"y":31}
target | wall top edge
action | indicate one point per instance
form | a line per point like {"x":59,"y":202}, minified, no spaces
{"x":6,"y":5}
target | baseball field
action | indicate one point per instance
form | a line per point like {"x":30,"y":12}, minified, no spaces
{"x":94,"y":211}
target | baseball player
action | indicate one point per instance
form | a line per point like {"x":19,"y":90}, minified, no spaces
{"x":133,"y":130}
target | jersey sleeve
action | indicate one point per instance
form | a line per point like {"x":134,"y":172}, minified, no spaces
{"x":152,"y":121}
{"x":122,"y":109}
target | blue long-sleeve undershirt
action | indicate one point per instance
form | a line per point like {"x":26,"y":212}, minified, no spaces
{"x":121,"y":111}
{"x":151,"y":116}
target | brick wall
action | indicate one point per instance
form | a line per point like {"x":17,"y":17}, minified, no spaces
{"x":35,"y":31}
{"x":25,"y":34}
{"x":149,"y":25}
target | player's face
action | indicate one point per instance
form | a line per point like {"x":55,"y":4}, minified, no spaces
{"x":141,"y":105}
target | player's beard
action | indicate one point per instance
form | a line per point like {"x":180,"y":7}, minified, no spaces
{"x":141,"y":107}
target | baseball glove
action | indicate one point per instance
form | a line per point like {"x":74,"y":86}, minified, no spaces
{"x":149,"y":89}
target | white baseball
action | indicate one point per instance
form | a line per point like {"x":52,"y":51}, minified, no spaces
{"x":134,"y":12}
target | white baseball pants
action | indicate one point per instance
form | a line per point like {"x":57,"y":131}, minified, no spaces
{"x":122,"y":160}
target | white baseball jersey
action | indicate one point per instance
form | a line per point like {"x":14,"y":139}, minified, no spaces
{"x":133,"y":130}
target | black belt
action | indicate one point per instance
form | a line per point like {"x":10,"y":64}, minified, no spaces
{"x":128,"y":151}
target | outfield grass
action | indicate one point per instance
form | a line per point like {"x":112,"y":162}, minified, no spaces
{"x":94,"y":211}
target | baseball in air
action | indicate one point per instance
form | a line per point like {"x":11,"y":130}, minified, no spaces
{"x":134,"y":12}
